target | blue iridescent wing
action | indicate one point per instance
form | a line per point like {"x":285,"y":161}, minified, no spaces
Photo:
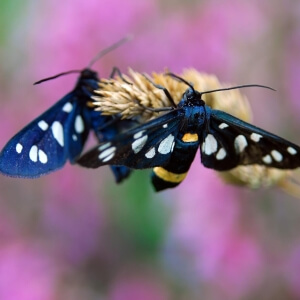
{"x":46,"y":143}
{"x":145,"y":146}
{"x":59,"y":134}
{"x":228,"y":142}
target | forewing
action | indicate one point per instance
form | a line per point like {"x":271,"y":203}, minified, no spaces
{"x":47,"y":142}
{"x":108,"y":127}
{"x":145,"y":146}
{"x":228,"y":142}
{"x":76,"y":129}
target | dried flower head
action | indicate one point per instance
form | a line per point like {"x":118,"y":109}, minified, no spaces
{"x":130,"y":95}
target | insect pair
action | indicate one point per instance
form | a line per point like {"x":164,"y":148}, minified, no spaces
{"x":167,"y":144}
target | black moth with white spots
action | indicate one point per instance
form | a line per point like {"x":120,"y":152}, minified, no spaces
{"x":59,"y":134}
{"x":169,"y":144}
{"x":47,"y":142}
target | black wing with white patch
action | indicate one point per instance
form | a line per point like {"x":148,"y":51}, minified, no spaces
{"x":146,"y":146}
{"x":228,"y":142}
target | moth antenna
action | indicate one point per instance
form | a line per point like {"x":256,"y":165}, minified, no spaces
{"x":180,"y":79}
{"x":110,"y":48}
{"x":98,"y":56}
{"x":238,"y":87}
{"x":57,"y":75}
{"x":218,"y":90}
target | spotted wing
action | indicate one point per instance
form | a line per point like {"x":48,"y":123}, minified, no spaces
{"x":47,"y":142}
{"x":106,"y":128}
{"x":145,"y":146}
{"x":228,"y":142}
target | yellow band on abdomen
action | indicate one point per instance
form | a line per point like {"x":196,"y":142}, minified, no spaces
{"x":168,"y":176}
{"x":190,"y":137}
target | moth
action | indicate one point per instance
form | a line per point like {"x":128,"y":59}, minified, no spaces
{"x":60,"y":133}
{"x":169,"y":143}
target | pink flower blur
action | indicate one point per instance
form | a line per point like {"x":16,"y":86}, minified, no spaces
{"x":132,"y":285}
{"x":71,"y":213}
{"x":26,"y":273}
{"x":210,"y":245}
{"x":206,"y":225}
{"x":290,"y":270}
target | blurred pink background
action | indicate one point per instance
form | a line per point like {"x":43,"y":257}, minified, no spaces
{"x":75,"y":234}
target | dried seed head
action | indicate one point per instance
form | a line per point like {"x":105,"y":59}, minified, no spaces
{"x":254,"y":176}
{"x":128,"y":98}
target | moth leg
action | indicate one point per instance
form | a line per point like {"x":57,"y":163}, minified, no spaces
{"x":167,"y":93}
{"x":151,"y":108}
{"x":117,"y":71}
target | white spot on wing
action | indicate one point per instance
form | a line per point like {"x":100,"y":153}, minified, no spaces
{"x":43,"y":125}
{"x":138,"y":144}
{"x":240,"y":143}
{"x":74,"y":137}
{"x":150,"y":153}
{"x":210,"y":145}
{"x":104,"y":146}
{"x":223,"y":125}
{"x":33,"y":153}
{"x":277,"y":155}
{"x":138,"y":134}
{"x":58,"y":132}
{"x":291,"y":150}
{"x":43,"y":157}
{"x":79,"y":125}
{"x":109,"y":157}
{"x":255,"y":137}
{"x":107,"y":154}
{"x":221,"y":154}
{"x":19,"y":148}
{"x":173,"y":146}
{"x":165,"y":145}
{"x":67,"y":107}
{"x":165,"y":126}
{"x":267,"y":159}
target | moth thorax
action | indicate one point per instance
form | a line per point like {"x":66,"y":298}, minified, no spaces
{"x":195,"y":117}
